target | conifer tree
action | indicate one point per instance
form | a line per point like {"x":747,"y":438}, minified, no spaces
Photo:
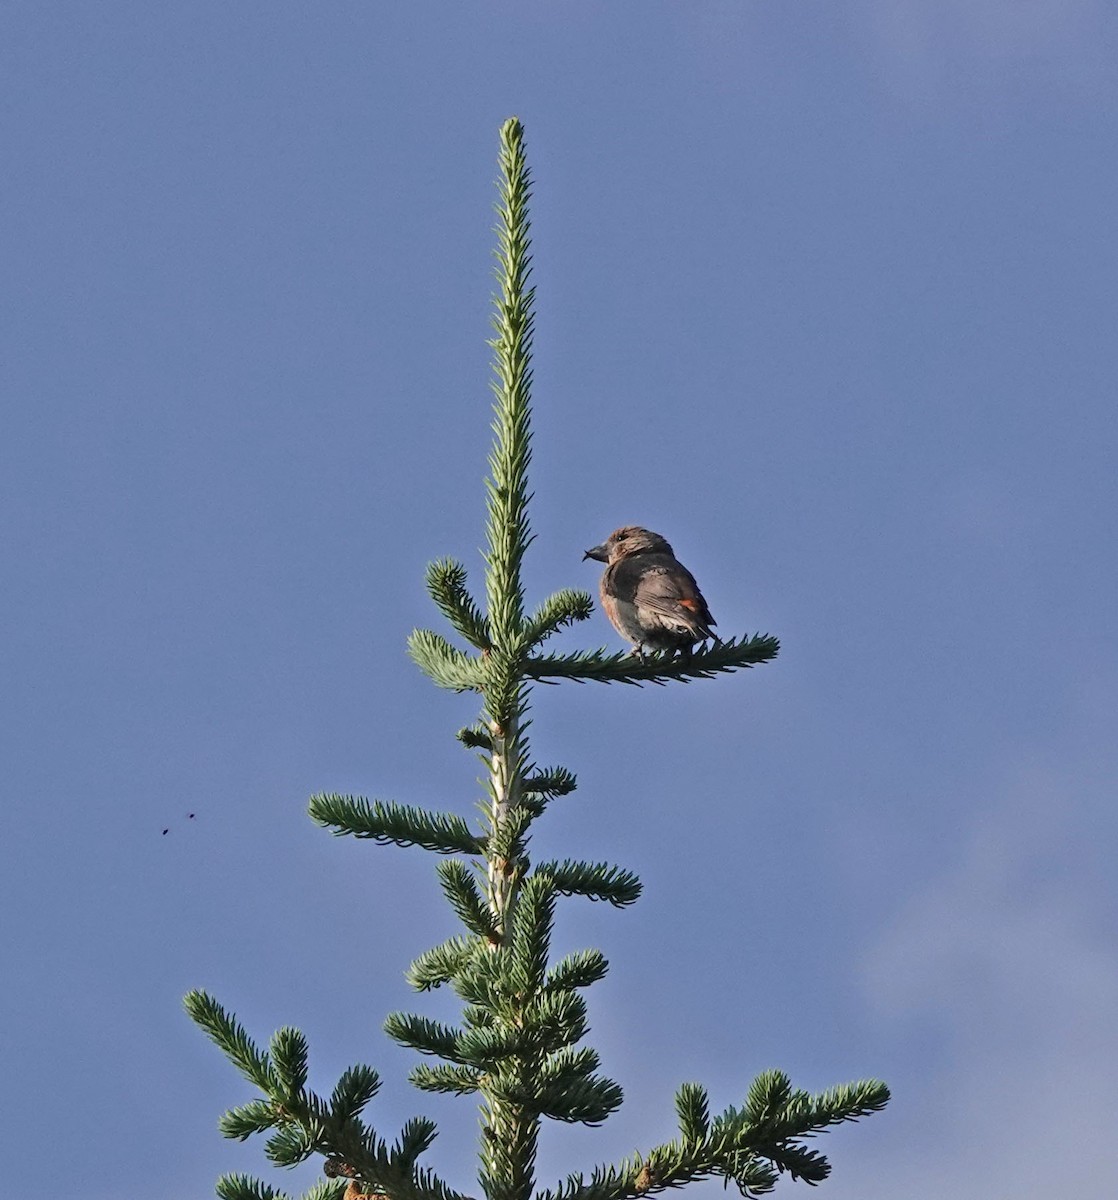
{"x":519,"y":1044}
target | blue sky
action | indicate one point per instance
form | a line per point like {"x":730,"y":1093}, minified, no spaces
{"x":826,"y":296}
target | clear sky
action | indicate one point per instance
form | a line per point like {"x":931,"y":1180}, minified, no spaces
{"x":826,"y":295}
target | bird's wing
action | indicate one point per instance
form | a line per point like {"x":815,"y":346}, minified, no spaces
{"x":667,"y":590}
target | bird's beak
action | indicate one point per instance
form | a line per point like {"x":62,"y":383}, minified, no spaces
{"x":599,"y":553}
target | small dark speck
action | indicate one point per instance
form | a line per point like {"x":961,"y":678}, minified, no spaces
{"x":190,"y":816}
{"x":166,"y":831}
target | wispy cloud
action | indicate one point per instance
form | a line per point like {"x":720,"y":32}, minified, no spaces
{"x":961,"y":52}
{"x":929,"y":44}
{"x":1010,"y":958}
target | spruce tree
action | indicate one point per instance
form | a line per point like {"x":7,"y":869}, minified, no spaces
{"x":518,"y":1047}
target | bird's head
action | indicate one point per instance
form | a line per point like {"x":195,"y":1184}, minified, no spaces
{"x":628,"y":540}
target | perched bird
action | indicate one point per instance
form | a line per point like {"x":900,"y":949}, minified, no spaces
{"x":650,"y":597}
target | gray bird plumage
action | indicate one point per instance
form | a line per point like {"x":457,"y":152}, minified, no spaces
{"x":650,"y":597}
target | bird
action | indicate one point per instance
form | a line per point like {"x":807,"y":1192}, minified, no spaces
{"x":650,"y":597}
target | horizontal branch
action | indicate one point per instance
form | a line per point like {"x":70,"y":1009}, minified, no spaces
{"x":551,"y":782}
{"x":602,"y":667}
{"x":475,"y":737}
{"x":446,"y":1077}
{"x":422,"y":1034}
{"x":448,"y":666}
{"x":441,"y":963}
{"x":394,"y":824}
{"x":596,"y":881}
{"x":577,"y":970}
{"x":736,"y":1146}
